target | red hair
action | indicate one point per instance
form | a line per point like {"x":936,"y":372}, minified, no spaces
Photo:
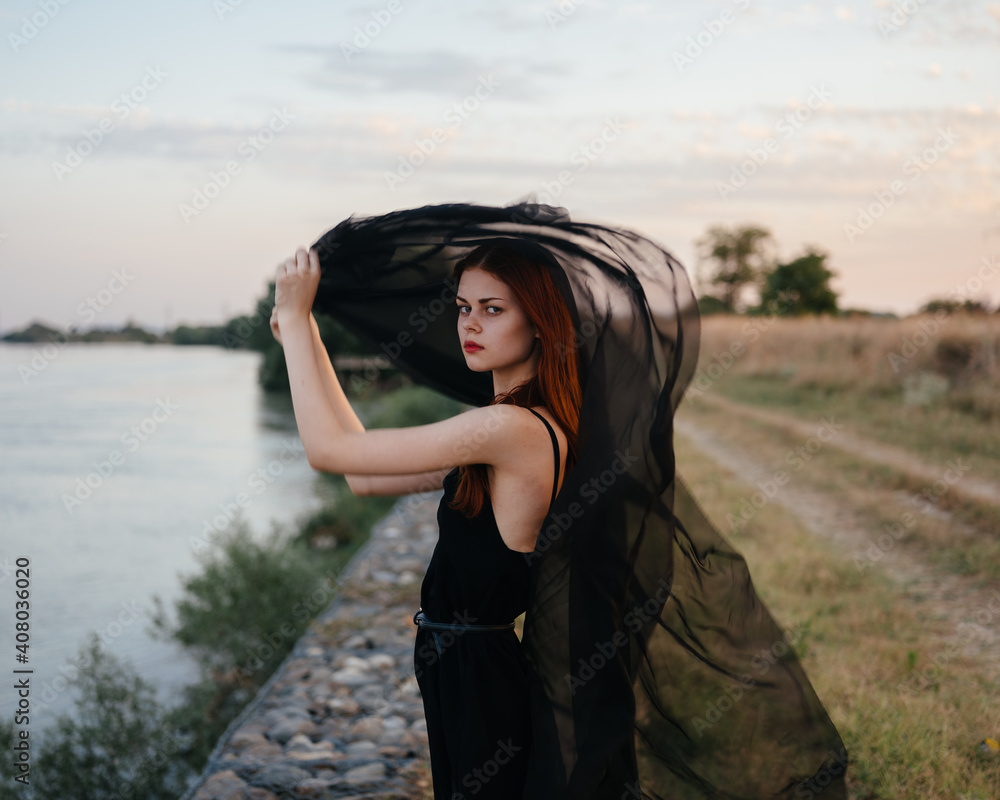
{"x":556,"y":383}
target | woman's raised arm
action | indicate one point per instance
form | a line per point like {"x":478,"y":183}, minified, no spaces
{"x":495,"y":434}
{"x":358,"y":484}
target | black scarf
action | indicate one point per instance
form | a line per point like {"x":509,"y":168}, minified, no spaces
{"x":659,"y":672}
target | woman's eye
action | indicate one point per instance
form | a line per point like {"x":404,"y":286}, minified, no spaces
{"x":461,"y":309}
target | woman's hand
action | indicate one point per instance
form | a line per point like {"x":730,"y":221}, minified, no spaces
{"x":295,"y":284}
{"x":274,"y":325}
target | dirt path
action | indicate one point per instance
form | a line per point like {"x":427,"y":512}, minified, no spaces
{"x":968,"y":615}
{"x":876,"y":452}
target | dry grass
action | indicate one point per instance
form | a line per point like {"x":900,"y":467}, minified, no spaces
{"x":924,"y":358}
{"x":865,"y":640}
{"x":911,"y":696}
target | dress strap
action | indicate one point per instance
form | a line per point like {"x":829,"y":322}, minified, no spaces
{"x":555,"y":446}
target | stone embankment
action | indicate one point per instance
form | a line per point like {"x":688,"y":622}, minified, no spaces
{"x":342,"y":716}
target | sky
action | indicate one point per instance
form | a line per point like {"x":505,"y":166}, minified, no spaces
{"x":159,"y":160}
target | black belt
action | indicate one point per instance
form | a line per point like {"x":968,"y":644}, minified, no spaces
{"x":458,"y":627}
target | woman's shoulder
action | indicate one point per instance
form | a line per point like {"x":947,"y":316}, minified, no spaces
{"x":551,"y":420}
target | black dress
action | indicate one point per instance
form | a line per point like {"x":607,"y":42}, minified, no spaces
{"x":657,"y":670}
{"x":475,"y":683}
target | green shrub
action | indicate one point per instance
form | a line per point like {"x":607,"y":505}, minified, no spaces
{"x":117,"y":745}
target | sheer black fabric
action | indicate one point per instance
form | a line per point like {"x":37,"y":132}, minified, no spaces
{"x":659,"y":673}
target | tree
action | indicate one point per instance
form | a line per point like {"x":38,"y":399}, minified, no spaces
{"x":738,"y":258}
{"x":799,"y":287}
{"x":954,"y":306}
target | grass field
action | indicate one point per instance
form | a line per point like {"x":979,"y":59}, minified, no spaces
{"x":884,"y":537}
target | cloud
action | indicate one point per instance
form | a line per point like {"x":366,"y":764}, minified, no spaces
{"x":942,"y":24}
{"x":440,"y":73}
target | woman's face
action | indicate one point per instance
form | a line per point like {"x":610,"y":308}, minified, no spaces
{"x":489,"y":316}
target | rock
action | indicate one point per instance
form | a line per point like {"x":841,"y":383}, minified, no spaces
{"x":365,"y":728}
{"x":343,"y":705}
{"x":315,"y":761}
{"x":302,"y":742}
{"x":313,"y":787}
{"x":245,"y":738}
{"x":279,"y":777}
{"x":352,"y":677}
{"x":344,"y":718}
{"x":361,"y":747}
{"x":259,"y":755}
{"x":225,"y":785}
{"x":358,"y":640}
{"x":366,"y":773}
{"x":391,"y":736}
{"x":394,"y":752}
{"x":287,"y":728}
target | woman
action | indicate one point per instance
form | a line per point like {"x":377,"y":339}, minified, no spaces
{"x":512,"y":323}
{"x":655,"y":670}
